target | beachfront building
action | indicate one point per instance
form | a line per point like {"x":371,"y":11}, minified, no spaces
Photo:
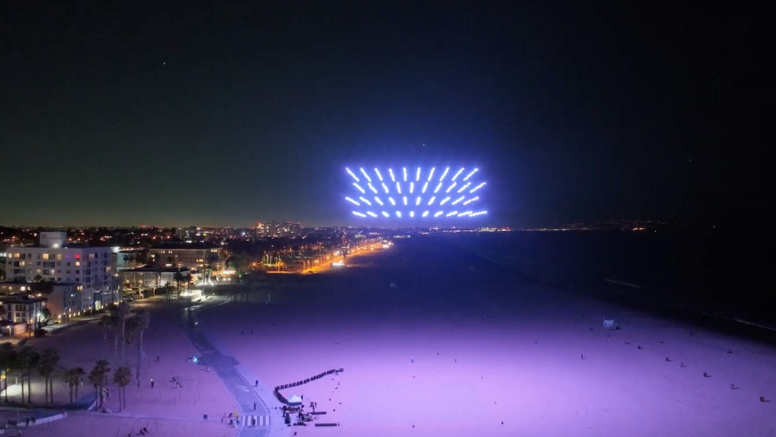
{"x":151,"y":276}
{"x":192,"y":256}
{"x":23,"y":309}
{"x":65,"y":301}
{"x":55,"y":260}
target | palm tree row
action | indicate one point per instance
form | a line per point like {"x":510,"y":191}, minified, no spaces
{"x":25,"y":360}
{"x":98,"y":378}
{"x":119,"y":321}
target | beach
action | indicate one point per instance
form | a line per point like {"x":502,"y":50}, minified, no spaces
{"x":464,"y":347}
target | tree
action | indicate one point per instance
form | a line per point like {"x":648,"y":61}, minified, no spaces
{"x":111,"y":322}
{"x":74,"y":377}
{"x":26,"y":361}
{"x":122,"y":312}
{"x":46,"y":313}
{"x":144,"y":321}
{"x":41,"y":285}
{"x":180,"y":278}
{"x":122,"y":376}
{"x":8,"y":360}
{"x":98,"y":378}
{"x":79,"y":375}
{"x":47,"y":364}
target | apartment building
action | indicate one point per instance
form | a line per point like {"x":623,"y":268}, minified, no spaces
{"x":56,"y":261}
{"x":192,"y":256}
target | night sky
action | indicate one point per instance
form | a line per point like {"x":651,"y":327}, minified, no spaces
{"x":121,"y":113}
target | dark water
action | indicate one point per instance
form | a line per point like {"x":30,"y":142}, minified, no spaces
{"x":714,"y":272}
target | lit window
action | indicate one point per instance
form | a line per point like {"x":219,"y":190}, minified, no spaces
{"x":78,"y":263}
{"x":77,"y":256}
{"x":59,"y":256}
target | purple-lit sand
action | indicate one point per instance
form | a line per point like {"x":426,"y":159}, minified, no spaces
{"x":462,"y":346}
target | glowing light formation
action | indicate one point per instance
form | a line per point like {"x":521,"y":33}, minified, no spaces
{"x":464,"y":187}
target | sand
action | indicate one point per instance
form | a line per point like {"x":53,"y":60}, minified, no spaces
{"x":463,"y":347}
{"x":174,"y":411}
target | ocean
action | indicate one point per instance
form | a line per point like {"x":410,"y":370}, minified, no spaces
{"x":711,"y":272}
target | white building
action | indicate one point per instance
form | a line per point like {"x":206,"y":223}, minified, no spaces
{"x":56,"y":261}
{"x":24,"y":310}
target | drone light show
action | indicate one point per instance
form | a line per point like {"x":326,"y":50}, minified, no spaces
{"x":416,"y":193}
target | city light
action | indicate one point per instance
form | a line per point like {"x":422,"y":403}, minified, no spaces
{"x":368,"y":179}
{"x":410,"y":195}
{"x":351,"y":173}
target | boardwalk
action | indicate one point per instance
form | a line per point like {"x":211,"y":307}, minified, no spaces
{"x":238,"y":387}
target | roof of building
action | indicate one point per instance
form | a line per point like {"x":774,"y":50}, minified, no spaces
{"x":22,"y":299}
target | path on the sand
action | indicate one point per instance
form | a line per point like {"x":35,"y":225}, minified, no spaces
{"x":240,"y":389}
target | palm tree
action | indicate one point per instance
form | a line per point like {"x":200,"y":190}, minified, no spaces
{"x":133,"y":327}
{"x":122,"y":312}
{"x":111,"y":322}
{"x":144,"y":321}
{"x":72,"y":380}
{"x":98,"y":378}
{"x":122,"y":376}
{"x":178,"y":277}
{"x":26,"y":361}
{"x":78,"y":377}
{"x":49,"y":360}
{"x":8,"y":360}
